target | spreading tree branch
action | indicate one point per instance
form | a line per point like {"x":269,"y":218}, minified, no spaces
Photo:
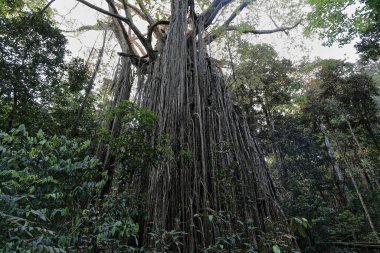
{"x":154,"y":26}
{"x":134,"y":8}
{"x":241,"y":7}
{"x":233,"y":15}
{"x":92,"y":80}
{"x":124,"y":19}
{"x":137,"y":32}
{"x":285,"y":29}
{"x":254,"y":31}
{"x":47,"y":6}
{"x":210,"y":13}
{"x":120,"y":30}
{"x":148,"y":17}
{"x":144,"y":42}
{"x":151,"y":22}
{"x":99,"y":26}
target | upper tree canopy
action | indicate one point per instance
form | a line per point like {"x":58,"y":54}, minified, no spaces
{"x":343,"y":21}
{"x":15,"y":7}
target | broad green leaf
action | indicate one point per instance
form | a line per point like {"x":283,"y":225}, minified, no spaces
{"x":276,"y":249}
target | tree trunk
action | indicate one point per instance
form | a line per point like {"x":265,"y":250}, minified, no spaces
{"x":367,"y":126}
{"x":121,"y":90}
{"x":91,"y":82}
{"x":13,"y":112}
{"x":357,"y":190}
{"x":364,"y":159}
{"x":122,"y":85}
{"x":338,"y":175}
{"x":280,"y":164}
{"x":89,"y":86}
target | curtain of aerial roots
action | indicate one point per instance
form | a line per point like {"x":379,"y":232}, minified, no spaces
{"x":121,"y":90}
{"x":215,"y":164}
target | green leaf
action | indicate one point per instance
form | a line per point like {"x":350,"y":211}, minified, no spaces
{"x":276,"y":249}
{"x":39,"y":214}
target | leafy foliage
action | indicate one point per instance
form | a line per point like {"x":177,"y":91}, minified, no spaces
{"x":266,"y":96}
{"x":341,"y":98}
{"x":17,"y":7}
{"x":286,"y":118}
{"x":342,"y":21}
{"x":135,"y":154}
{"x":31,"y":63}
{"x":48,"y":197}
{"x":38,"y":88}
{"x":44,"y":183}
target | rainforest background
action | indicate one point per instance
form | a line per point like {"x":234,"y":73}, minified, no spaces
{"x":176,"y":132}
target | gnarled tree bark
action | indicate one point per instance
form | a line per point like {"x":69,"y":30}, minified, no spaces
{"x":186,"y":90}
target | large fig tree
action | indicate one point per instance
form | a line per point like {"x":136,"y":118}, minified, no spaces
{"x":211,"y":189}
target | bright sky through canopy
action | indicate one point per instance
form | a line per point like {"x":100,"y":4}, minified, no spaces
{"x":294,"y":47}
